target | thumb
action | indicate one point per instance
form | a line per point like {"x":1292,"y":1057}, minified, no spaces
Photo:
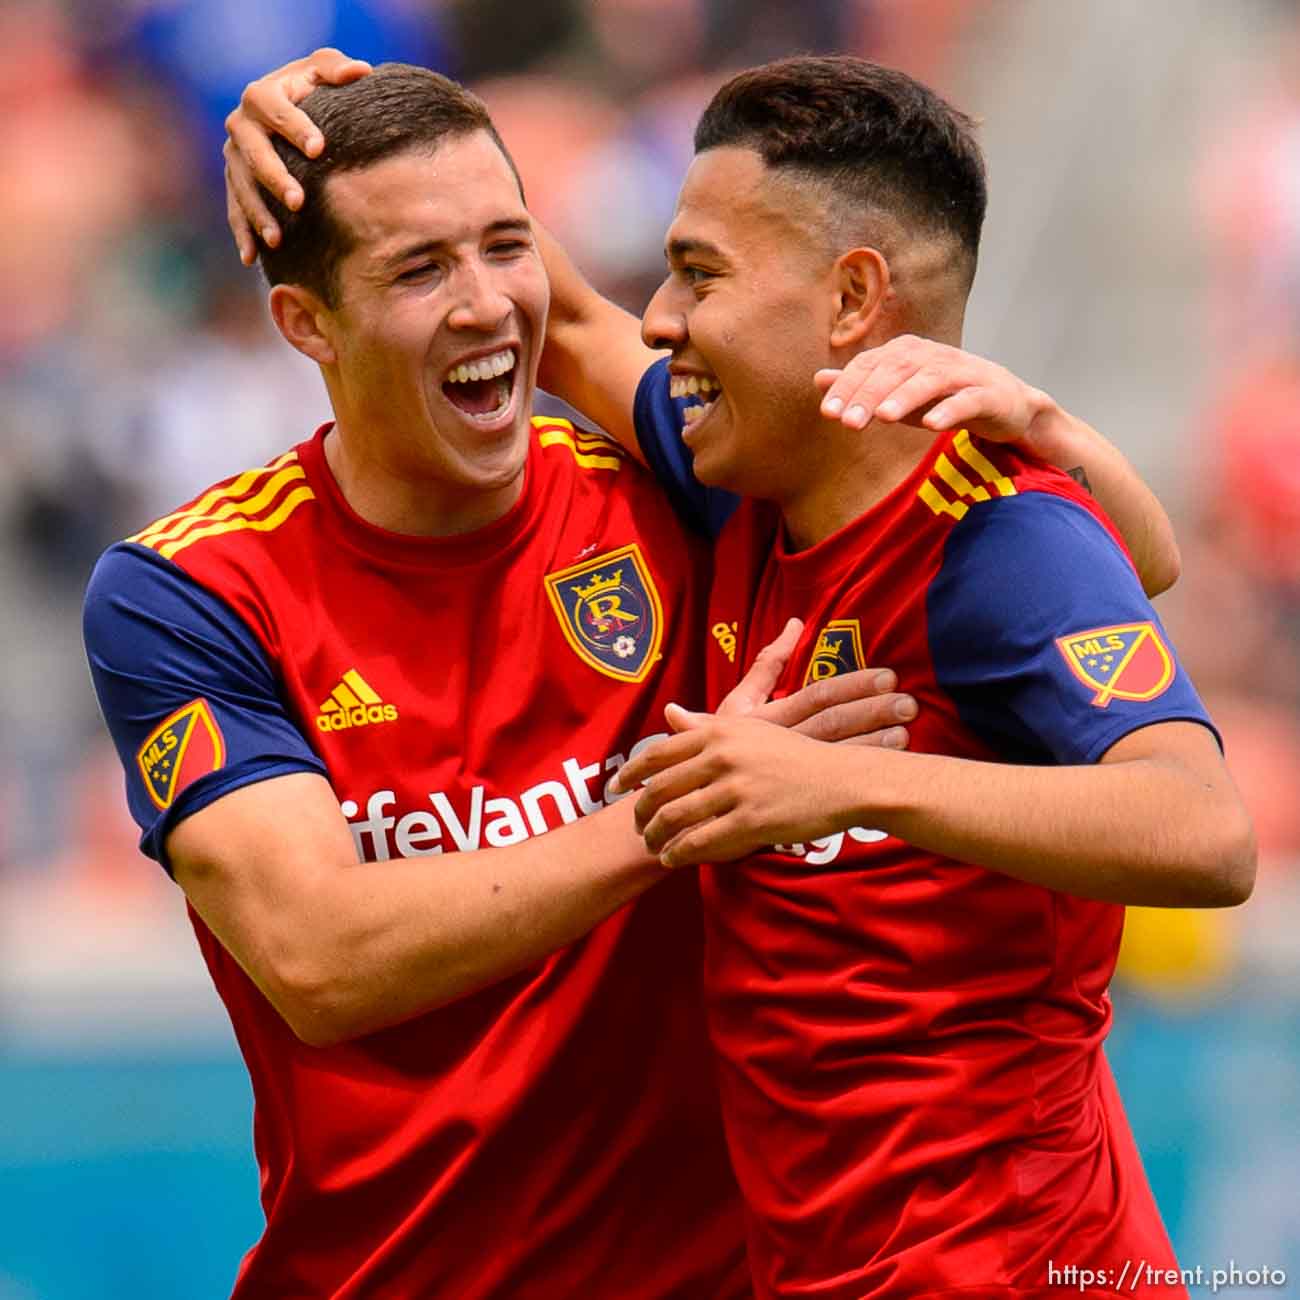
{"x":680,"y":719}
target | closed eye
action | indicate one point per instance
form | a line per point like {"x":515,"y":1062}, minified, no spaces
{"x":414,"y":274}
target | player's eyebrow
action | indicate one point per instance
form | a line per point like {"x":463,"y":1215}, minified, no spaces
{"x":679,"y":249}
{"x":425,"y":247}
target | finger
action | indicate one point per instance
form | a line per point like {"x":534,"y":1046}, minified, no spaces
{"x":239,"y":227}
{"x":694,"y":774}
{"x":250,"y":147}
{"x":862,"y":400}
{"x":858,"y":717}
{"x":272,"y":101}
{"x":764,"y":673}
{"x":824,"y":379}
{"x":654,"y":759}
{"x":681,"y":815}
{"x":680,"y":719}
{"x":243,"y":192}
{"x":918,"y":392}
{"x":857,"y":379}
{"x":890,"y":738}
{"x":335,"y":68}
{"x":715,"y":839}
{"x":967,"y":406}
{"x":825,"y":694}
{"x":275,"y":109}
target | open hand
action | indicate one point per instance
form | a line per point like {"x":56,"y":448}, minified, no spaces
{"x":269,"y":107}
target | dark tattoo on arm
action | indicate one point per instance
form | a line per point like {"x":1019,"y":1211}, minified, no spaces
{"x":1080,"y":476}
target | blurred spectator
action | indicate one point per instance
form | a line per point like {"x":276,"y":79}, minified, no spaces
{"x":206,"y":51}
{"x":1250,"y":197}
{"x":59,"y":127}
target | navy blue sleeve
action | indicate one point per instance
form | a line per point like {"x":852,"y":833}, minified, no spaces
{"x":658,"y":419}
{"x":190,"y":699}
{"x":1040,"y":631}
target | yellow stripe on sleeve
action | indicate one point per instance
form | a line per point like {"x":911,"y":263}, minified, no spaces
{"x":174,"y":523}
{"x":958,"y":481}
{"x":249,"y":506}
{"x":986,"y":469}
{"x":558,"y":438}
{"x":940,"y":503}
{"x":271,"y":522}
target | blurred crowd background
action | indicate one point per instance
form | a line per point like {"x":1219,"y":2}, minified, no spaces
{"x":1142,"y":263}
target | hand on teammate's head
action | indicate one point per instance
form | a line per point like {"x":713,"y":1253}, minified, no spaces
{"x":269,"y":107}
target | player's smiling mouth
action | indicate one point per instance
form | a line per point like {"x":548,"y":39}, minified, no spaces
{"x":703,"y":389}
{"x":482,"y":387}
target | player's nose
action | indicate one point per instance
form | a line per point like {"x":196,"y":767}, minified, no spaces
{"x":664,"y":322}
{"x":481,"y":302}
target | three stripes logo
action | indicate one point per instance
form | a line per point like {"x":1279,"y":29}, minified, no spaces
{"x":948,"y":483}
{"x":353,"y":703}
{"x":590,"y":450}
{"x":258,"y":500}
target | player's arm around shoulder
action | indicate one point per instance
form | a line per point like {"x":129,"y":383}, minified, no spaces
{"x":594,"y":357}
{"x":921,"y":381}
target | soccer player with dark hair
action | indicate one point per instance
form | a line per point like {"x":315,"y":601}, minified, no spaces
{"x":618,"y":369}
{"x":439,"y":625}
{"x":908,"y":994}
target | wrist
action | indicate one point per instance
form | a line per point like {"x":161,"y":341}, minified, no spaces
{"x":1053,"y":435}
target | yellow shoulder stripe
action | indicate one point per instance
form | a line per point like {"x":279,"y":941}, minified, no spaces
{"x":984,"y":467}
{"x":586,"y":458}
{"x":242,"y":503}
{"x":945,"y":474}
{"x":265,"y":525}
{"x":237,"y":487}
{"x":585,"y":440}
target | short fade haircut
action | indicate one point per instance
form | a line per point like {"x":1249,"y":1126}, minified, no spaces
{"x":396,"y":109}
{"x":874,"y":138}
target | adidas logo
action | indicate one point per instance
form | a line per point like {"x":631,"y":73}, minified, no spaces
{"x":353,"y":703}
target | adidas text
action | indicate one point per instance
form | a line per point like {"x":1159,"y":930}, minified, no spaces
{"x":359,"y":716}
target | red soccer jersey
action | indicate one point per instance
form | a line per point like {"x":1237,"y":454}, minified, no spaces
{"x":556,"y":1134}
{"x":913,"y":1083}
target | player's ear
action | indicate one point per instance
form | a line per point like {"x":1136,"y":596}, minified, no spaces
{"x":862,"y":289}
{"x":304,"y":321}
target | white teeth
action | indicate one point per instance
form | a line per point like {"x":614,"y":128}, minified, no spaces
{"x":483,"y":367}
{"x":692,"y":386}
{"x":693,"y":413}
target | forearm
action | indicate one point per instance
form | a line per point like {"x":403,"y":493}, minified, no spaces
{"x":431,"y":933}
{"x":1148,"y":832}
{"x":594,"y":357}
{"x":1070,"y":444}
{"x":1157,"y":821}
{"x":342,"y":948}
